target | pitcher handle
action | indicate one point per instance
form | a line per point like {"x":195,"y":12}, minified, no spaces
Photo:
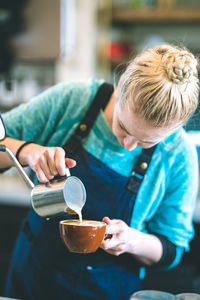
{"x":67,"y":172}
{"x":29,"y":183}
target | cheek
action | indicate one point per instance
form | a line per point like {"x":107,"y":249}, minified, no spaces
{"x":115,"y":127}
{"x":117,"y":130}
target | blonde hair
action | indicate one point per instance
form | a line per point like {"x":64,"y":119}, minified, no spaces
{"x":161,"y":85}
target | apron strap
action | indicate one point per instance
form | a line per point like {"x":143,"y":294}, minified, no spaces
{"x":83,"y":129}
{"x":139,"y":170}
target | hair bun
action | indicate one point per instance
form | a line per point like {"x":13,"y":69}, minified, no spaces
{"x":180,"y":67}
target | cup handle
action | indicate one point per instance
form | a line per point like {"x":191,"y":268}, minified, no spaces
{"x":67,"y":172}
{"x":108,"y":236}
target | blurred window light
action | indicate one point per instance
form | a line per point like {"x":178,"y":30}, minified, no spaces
{"x":68,"y":28}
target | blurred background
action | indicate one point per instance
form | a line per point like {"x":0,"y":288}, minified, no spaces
{"x":46,"y":42}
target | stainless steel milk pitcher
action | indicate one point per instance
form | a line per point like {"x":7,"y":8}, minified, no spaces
{"x":55,"y":197}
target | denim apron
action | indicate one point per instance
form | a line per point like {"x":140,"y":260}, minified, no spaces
{"x":42,"y":268}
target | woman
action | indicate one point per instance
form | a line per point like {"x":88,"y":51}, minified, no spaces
{"x":136,"y":162}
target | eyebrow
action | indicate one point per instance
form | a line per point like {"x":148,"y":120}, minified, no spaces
{"x":124,"y":128}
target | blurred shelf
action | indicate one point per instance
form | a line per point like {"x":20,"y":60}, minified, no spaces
{"x":155,"y":15}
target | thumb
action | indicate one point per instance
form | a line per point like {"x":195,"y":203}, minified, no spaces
{"x":70,"y":162}
{"x":106,"y":220}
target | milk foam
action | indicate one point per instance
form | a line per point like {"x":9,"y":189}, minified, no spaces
{"x":85,"y":223}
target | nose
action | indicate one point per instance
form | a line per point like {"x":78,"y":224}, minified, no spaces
{"x":130,"y":143}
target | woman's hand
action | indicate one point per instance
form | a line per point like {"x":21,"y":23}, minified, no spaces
{"x":120,"y":238}
{"x":47,"y":162}
{"x":117,"y":237}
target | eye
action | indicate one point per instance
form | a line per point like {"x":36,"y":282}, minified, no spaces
{"x":122,"y":127}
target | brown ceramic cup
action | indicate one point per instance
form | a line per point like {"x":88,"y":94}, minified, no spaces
{"x":82,"y":237}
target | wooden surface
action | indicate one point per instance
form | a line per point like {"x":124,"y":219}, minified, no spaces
{"x":156,"y":15}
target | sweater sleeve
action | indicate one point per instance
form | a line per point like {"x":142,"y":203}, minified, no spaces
{"x":174,"y":216}
{"x":51,"y":117}
{"x":31,"y":121}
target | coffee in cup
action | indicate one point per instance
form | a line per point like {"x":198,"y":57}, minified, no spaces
{"x":82,"y":237}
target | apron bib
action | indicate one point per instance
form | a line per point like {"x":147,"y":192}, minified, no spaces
{"x":42,"y":268}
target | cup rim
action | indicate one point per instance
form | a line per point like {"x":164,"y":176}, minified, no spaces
{"x":98,"y":223}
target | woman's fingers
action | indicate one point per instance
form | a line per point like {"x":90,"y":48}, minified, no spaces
{"x":47,"y":162}
{"x":70,"y":162}
{"x":59,"y":161}
{"x":54,"y":163}
{"x":116,"y":237}
{"x":114,"y":226}
{"x":107,"y":220}
{"x":113,"y":252}
{"x":113,"y":246}
{"x":40,"y":174}
{"x":50,"y":162}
